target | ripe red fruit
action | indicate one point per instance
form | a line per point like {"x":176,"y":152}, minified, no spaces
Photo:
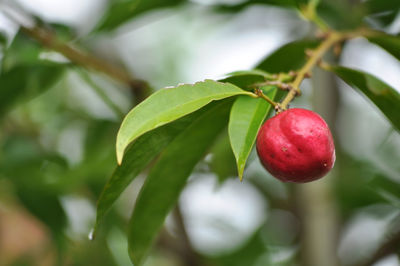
{"x":296,"y":146}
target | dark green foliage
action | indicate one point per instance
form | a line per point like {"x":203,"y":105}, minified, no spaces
{"x":121,"y":11}
{"x":24,"y":74}
{"x":288,"y":57}
{"x":382,"y":95}
{"x":388,"y":42}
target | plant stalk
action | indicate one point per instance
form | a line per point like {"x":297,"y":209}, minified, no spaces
{"x":315,"y":57}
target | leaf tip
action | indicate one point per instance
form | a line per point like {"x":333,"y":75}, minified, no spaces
{"x":240,"y":172}
{"x":120,"y":155}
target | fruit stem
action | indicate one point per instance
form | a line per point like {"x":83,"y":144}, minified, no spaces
{"x":315,"y":56}
{"x":260,"y":94}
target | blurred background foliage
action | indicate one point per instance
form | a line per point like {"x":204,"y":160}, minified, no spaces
{"x":70,"y":70}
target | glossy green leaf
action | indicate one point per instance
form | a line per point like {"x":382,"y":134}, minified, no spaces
{"x":120,"y":11}
{"x":168,"y":177}
{"x":246,"y":118}
{"x":137,"y":157}
{"x":169,"y":104}
{"x":381,"y":94}
{"x":388,"y":42}
{"x":291,"y":56}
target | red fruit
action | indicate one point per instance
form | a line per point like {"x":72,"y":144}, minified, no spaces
{"x":296,"y":146}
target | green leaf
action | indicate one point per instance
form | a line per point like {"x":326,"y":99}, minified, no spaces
{"x":24,"y":74}
{"x":335,"y":14}
{"x":167,"y":105}
{"x":27,"y":166}
{"x":223,"y":162}
{"x":246,"y":118}
{"x":383,"y":11}
{"x":25,"y":82}
{"x":291,"y":56}
{"x":238,"y":7}
{"x":137,"y":157}
{"x":388,"y":42}
{"x":120,"y":11}
{"x":381,"y":6}
{"x":253,"y":72}
{"x":168,"y":177}
{"x":3,"y":40}
{"x":381,"y":94}
{"x":22,"y":51}
{"x":244,"y":79}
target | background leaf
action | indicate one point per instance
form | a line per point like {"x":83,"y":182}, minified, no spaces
{"x":382,"y":11}
{"x":223,"y":162}
{"x":335,"y":14}
{"x":26,"y":82}
{"x":388,"y":42}
{"x":381,"y":94}
{"x":28,"y":167}
{"x":380,"y":6}
{"x":291,"y":56}
{"x":24,"y":74}
{"x":170,"y":104}
{"x":244,"y":79}
{"x":168,"y":177}
{"x":246,"y":117}
{"x":120,"y":11}
{"x":245,"y":4}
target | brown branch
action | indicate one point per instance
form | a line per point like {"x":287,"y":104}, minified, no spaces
{"x":49,"y":40}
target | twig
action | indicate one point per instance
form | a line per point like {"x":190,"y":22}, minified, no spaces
{"x":260,"y":94}
{"x":100,"y":92}
{"x":48,"y":39}
{"x":314,"y":58}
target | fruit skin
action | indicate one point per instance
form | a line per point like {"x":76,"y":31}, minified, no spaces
{"x":296,"y":146}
